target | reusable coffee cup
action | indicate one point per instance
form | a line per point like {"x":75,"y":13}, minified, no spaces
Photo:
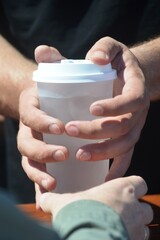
{"x":66,"y":90}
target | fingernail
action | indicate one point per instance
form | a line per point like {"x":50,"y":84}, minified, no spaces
{"x":97,"y":110}
{"x":42,"y":198}
{"x":59,"y":155}
{"x":100,"y":54}
{"x":44,"y":183}
{"x":72,"y":130}
{"x":83,"y":155}
{"x":53,"y":128}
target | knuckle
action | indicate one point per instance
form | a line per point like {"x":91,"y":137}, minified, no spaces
{"x":41,"y":156}
{"x":22,"y":115}
{"x":20,"y":148}
{"x":124,"y":125}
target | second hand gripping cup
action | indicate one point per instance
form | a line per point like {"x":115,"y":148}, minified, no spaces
{"x":66,"y":90}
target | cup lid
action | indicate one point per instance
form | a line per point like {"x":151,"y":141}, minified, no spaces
{"x":68,"y":70}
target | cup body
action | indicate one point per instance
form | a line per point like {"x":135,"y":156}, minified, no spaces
{"x":69,"y":101}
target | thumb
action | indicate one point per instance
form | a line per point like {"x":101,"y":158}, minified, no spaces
{"x":54,"y":202}
{"x":105,"y":50}
{"x":48,"y":201}
{"x":44,"y":53}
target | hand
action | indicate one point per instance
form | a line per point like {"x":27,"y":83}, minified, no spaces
{"x":122,"y":117}
{"x":34,"y":150}
{"x":121,"y":194}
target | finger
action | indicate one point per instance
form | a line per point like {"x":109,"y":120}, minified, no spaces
{"x":104,"y":150}
{"x":100,"y":128}
{"x":48,"y":201}
{"x":110,"y":148}
{"x":37,"y":195}
{"x":103,"y":128}
{"x":147,"y":213}
{"x":37,"y":173}
{"x":44,"y":53}
{"x":29,"y":100}
{"x":39,"y":190}
{"x":120,"y":165}
{"x":121,"y":104}
{"x":38,"y":150}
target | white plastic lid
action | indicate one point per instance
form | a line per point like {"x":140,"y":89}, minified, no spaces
{"x":69,"y":71}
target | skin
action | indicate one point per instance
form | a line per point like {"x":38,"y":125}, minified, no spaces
{"x":121,"y":117}
{"x":121,"y":194}
{"x":148,"y":54}
{"x":15,"y":76}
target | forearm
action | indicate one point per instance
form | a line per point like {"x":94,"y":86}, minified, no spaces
{"x":15,"y":75}
{"x":148,"y":54}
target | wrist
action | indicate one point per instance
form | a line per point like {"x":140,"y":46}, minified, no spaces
{"x":147,"y":55}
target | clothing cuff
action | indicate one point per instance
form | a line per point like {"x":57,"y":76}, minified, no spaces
{"x":89,"y":219}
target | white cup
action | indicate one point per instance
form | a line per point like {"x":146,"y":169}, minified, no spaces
{"x":66,"y":90}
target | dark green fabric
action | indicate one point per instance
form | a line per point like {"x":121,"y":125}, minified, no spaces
{"x":16,"y":226}
{"x":85,"y":220}
{"x":81,"y":220}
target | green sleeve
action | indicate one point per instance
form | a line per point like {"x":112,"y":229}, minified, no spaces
{"x":89,"y":220}
{"x":14,"y":225}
